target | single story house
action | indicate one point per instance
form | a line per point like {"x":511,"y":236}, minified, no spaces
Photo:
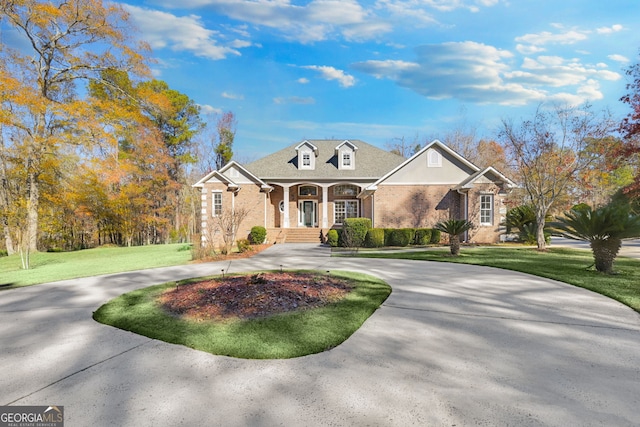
{"x":302,"y":191}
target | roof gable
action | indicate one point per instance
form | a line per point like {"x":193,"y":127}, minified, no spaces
{"x":486,"y":175}
{"x":227,"y":176}
{"x":421,"y":168}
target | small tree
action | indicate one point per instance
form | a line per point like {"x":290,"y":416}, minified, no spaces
{"x":454,"y":228}
{"x":228,"y":223}
{"x":604,"y":228}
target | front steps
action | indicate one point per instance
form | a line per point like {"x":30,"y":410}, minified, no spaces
{"x":296,"y":235}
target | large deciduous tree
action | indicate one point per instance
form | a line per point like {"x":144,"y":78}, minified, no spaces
{"x":550,"y":150}
{"x":630,"y":128}
{"x":65,"y":42}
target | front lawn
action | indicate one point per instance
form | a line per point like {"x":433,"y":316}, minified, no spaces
{"x":54,"y":266}
{"x":566,"y":265}
{"x":278,"y":336}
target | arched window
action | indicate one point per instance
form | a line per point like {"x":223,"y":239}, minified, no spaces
{"x":345,"y":190}
{"x":434,"y":159}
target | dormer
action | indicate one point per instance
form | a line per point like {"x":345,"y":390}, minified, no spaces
{"x":346,"y":154}
{"x":307,"y":153}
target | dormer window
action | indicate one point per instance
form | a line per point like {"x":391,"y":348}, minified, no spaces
{"x":346,"y":160}
{"x":346,"y":154}
{"x":307,"y":153}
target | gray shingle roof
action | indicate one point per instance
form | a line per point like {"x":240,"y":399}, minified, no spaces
{"x":370,"y":162}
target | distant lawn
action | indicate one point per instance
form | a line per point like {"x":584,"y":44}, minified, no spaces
{"x":571,"y":266}
{"x":280,"y":336}
{"x":50,"y":267}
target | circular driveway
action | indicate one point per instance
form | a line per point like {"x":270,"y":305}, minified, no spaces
{"x":454,"y":345}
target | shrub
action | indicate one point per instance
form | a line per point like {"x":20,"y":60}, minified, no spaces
{"x":354,"y":231}
{"x":243,"y":245}
{"x":423,"y":236}
{"x":258,"y":235}
{"x":4,"y":253}
{"x":435,"y":236}
{"x":387,"y":236}
{"x":401,"y":237}
{"x":374,"y":238}
{"x":332,"y":238}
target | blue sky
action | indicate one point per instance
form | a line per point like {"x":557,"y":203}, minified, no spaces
{"x":384,"y":69}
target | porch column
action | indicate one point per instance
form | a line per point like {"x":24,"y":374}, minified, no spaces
{"x":325,"y":206}
{"x":286,"y":206}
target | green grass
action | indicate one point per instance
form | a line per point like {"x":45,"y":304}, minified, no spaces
{"x":50,"y":267}
{"x":281,"y":336}
{"x":571,"y":266}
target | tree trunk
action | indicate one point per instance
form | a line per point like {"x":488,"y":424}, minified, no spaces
{"x":8,"y":240}
{"x":541,"y":215}
{"x":604,"y":253}
{"x":32,"y":212}
{"x":454,"y":244}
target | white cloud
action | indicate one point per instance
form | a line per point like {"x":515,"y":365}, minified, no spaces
{"x":208,"y":109}
{"x":187,"y":33}
{"x":331,"y":73}
{"x":618,"y":58}
{"x":529,"y":49}
{"x":303,"y":80}
{"x":546,"y":37}
{"x":315,"y":20}
{"x":474,"y":72}
{"x":608,"y":30}
{"x":231,"y":95}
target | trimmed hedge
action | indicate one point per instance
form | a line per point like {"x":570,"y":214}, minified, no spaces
{"x":354,"y":231}
{"x":401,"y":237}
{"x":374,"y":238}
{"x":435,"y":236}
{"x":422,"y":237}
{"x":332,"y":238}
{"x":258,"y":235}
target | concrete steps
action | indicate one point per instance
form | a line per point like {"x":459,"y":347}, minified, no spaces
{"x":299,"y":235}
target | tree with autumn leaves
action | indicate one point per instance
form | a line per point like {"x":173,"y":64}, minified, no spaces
{"x":551,"y":150}
{"x":42,"y":115}
{"x":630,"y":128}
{"x":92,"y":151}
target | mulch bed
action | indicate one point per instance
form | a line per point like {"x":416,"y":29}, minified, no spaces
{"x":253,"y":296}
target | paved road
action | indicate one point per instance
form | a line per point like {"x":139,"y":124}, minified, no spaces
{"x":454,"y":345}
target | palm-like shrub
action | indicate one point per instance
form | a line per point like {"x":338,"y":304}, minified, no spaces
{"x":604,"y":228}
{"x":454,"y":228}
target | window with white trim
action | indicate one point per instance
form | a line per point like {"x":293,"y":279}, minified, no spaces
{"x":486,"y":209}
{"x":306,"y":160}
{"x":344,"y":209}
{"x":216,"y":203}
{"x":434,"y":159}
{"x":346,"y":159}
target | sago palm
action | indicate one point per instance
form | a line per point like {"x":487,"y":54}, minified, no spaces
{"x":604,"y":228}
{"x":454,"y":228}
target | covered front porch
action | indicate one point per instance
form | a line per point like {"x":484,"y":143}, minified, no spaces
{"x":315,"y":205}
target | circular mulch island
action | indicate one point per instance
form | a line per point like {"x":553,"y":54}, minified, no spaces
{"x":253,"y":296}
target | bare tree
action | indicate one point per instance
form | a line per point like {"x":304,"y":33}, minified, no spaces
{"x":228,"y":223}
{"x":402,"y":148}
{"x":549,"y":150}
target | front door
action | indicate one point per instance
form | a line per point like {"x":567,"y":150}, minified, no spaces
{"x":308,"y":213}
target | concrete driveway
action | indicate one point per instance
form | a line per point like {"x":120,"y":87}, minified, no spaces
{"x":454,"y":345}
